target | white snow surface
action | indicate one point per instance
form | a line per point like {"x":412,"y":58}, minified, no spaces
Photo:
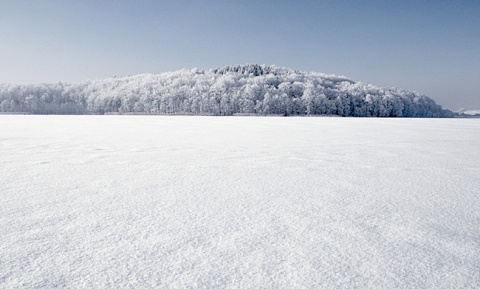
{"x":239,"y":202}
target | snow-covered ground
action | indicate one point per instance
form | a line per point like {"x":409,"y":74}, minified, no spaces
{"x":239,"y":202}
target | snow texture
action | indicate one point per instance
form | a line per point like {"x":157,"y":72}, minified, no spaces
{"x":238,"y":202}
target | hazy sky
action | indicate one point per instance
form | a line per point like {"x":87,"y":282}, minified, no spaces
{"x":431,"y":46}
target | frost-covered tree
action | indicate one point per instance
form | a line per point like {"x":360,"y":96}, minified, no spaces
{"x":251,"y":89}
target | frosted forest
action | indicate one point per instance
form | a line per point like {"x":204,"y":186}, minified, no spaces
{"x":247,"y":89}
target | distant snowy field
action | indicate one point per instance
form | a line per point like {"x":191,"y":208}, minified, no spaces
{"x":472,"y":112}
{"x":239,"y":202}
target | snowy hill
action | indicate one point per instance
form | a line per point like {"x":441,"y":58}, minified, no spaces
{"x":468,"y":113}
{"x":247,"y":89}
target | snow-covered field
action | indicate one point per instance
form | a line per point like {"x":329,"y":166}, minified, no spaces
{"x":472,"y":112}
{"x":239,"y":202}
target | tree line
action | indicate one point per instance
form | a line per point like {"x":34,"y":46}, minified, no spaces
{"x":247,"y":89}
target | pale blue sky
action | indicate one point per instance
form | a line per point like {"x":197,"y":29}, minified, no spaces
{"x":432,"y":47}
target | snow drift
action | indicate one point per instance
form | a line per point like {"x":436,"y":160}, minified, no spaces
{"x":248,"y":89}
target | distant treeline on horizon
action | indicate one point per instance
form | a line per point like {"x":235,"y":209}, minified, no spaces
{"x":248,"y":89}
